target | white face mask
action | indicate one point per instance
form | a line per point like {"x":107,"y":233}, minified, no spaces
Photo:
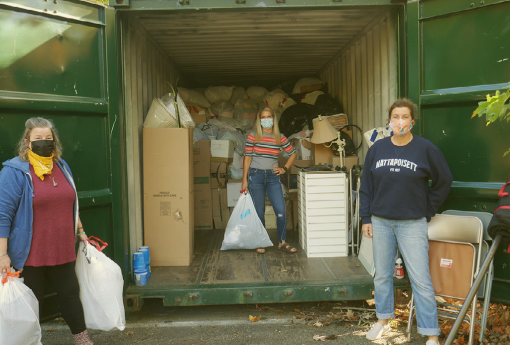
{"x":266,"y":123}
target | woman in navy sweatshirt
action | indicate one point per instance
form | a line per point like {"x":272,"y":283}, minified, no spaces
{"x":396,"y":204}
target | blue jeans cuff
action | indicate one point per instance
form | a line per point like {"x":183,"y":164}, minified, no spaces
{"x":429,"y":331}
{"x":386,"y":316}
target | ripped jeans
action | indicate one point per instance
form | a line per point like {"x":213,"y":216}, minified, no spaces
{"x":262,"y":181}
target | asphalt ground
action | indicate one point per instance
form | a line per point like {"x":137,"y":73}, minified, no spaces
{"x":230,"y":324}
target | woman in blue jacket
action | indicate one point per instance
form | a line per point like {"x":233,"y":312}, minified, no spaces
{"x":39,"y":221}
{"x":396,"y":204}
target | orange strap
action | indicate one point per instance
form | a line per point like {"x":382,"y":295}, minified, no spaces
{"x":100,"y":248}
{"x":14,"y":275}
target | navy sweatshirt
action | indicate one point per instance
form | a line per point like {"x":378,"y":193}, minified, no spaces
{"x":395,"y":182}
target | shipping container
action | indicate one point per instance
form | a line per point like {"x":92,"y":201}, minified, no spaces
{"x":95,"y":69}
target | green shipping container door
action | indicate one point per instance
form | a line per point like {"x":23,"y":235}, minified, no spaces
{"x":59,"y":61}
{"x":459,"y":51}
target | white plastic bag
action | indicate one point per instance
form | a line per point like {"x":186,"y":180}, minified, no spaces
{"x":19,"y":313}
{"x":192,"y":97}
{"x":244,"y":229}
{"x":101,"y":286}
{"x":375,"y":134}
{"x":256,"y":93}
{"x":218,"y":93}
{"x":303,"y":82}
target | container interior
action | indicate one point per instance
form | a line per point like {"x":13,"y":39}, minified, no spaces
{"x":355,"y":51}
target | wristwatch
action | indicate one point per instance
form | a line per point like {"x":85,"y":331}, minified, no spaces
{"x":285,"y":168}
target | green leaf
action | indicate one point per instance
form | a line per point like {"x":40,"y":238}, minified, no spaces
{"x":507,"y":152}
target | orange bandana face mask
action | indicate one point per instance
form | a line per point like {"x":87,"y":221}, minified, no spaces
{"x":42,"y":165}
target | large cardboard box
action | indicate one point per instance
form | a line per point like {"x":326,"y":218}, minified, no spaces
{"x":233,"y":191}
{"x":303,"y":148}
{"x":202,"y":187}
{"x":203,"y":207}
{"x":168,"y":195}
{"x":321,"y":154}
{"x":349,"y":161}
{"x":221,"y":212}
{"x":222,"y":150}
{"x":201,"y":161}
{"x":296,"y":167}
{"x":218,"y":174}
{"x":198,"y":113}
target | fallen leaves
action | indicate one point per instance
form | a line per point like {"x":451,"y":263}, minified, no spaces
{"x":130,"y":332}
{"x":319,"y":337}
{"x":254,"y":318}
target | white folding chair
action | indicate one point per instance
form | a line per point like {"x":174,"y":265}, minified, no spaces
{"x":486,"y":287}
{"x":452,"y":253}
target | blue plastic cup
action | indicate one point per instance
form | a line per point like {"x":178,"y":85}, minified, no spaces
{"x":143,"y":249}
{"x":148,"y":268}
{"x":146,"y":252}
{"x":141,"y":277}
{"x":138,"y":261}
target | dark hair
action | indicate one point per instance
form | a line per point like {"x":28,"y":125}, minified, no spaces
{"x":403,"y":103}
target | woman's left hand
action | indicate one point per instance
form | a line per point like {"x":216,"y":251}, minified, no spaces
{"x":83,"y":238}
{"x":278,"y":171}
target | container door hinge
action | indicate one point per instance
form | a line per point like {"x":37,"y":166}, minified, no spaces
{"x":193,"y":296}
{"x":241,"y":2}
{"x":281,"y":1}
{"x":184,"y":2}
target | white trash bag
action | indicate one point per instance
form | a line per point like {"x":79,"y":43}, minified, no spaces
{"x":19,"y":312}
{"x":244,"y":228}
{"x":101,"y":288}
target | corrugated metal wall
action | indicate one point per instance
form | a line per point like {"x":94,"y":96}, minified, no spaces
{"x":364,"y":76}
{"x":147,"y":72}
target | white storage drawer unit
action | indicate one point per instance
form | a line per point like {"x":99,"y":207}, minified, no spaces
{"x":322,"y":212}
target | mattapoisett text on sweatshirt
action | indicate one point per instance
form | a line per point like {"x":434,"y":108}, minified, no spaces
{"x":395,"y":181}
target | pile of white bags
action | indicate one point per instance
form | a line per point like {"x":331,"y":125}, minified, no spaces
{"x":244,"y":229}
{"x":256,"y":93}
{"x":19,"y":312}
{"x":192,"y":97}
{"x":304,"y":82}
{"x":218,"y":93}
{"x":101,"y":287}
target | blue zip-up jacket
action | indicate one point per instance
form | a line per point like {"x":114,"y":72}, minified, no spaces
{"x":16,"y":214}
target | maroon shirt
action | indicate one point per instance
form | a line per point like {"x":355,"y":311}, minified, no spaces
{"x":53,"y":241}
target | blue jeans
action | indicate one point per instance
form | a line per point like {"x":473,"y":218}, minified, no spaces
{"x":412,"y":239}
{"x":262,"y":181}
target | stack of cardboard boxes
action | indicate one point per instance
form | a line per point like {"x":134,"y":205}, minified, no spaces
{"x":210,"y":160}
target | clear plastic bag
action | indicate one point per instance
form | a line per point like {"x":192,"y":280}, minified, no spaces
{"x":101,"y":288}
{"x":244,"y":229}
{"x":223,"y":109}
{"x":19,"y":312}
{"x":205,"y":131}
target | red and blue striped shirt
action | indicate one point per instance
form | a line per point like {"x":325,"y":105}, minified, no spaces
{"x":265,"y":153}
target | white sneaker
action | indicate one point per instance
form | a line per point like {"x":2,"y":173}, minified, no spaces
{"x":431,"y":342}
{"x":378,"y":331}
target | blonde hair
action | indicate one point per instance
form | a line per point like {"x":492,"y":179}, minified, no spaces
{"x":258,"y":127}
{"x":39,"y":122}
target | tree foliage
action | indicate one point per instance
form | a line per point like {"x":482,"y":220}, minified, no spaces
{"x":495,"y":108}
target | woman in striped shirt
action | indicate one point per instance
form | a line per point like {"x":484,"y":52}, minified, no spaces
{"x":261,"y":173}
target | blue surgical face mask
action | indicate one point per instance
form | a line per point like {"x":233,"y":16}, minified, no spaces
{"x":266,"y":123}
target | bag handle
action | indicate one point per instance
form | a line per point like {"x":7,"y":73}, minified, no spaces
{"x":502,"y":192}
{"x":14,"y":275}
{"x":94,"y":243}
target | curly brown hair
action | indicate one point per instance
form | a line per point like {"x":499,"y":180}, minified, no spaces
{"x":39,"y":122}
{"x":404,"y":103}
